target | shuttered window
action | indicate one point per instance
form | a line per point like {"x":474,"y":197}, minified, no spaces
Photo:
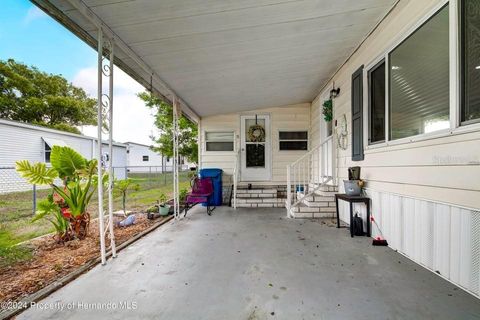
{"x":357,"y":115}
{"x":471,"y":61}
{"x":219,"y":141}
{"x":419,"y":80}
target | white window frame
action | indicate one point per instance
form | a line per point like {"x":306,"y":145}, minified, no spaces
{"x":293,"y":130}
{"x":45,"y":151}
{"x":143,"y":158}
{"x":371,"y":67}
{"x":456,"y":127}
{"x":204,"y":134}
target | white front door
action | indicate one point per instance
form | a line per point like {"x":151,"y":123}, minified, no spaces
{"x":255,"y":147}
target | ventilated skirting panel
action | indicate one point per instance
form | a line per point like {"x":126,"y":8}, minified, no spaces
{"x":443,"y":238}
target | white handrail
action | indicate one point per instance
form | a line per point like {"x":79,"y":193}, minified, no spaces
{"x":236,"y":174}
{"x":306,"y":155}
{"x":307,"y":174}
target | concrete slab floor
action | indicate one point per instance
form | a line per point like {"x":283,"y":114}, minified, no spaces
{"x":256,"y":264}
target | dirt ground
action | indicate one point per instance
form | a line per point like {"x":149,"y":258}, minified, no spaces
{"x":51,"y":261}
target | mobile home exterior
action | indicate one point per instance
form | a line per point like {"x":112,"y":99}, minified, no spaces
{"x":400,"y":115}
{"x":20,"y":141}
{"x":402,"y":79}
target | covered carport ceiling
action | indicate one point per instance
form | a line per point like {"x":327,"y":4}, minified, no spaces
{"x":224,"y":56}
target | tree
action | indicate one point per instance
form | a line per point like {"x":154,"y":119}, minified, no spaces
{"x":122,"y":187}
{"x":32,"y":96}
{"x":187,"y":139}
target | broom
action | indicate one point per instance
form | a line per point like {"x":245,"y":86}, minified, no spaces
{"x":379,"y":240}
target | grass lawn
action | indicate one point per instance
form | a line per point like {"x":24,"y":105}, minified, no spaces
{"x":16,"y":210}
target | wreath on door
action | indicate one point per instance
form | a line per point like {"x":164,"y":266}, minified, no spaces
{"x":256,"y":133}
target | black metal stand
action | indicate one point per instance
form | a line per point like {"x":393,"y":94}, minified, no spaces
{"x":209,"y":208}
{"x":351,"y":200}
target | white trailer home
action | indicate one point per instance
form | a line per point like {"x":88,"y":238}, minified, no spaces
{"x":289,"y":94}
{"x":141,"y":158}
{"x":20,"y":141}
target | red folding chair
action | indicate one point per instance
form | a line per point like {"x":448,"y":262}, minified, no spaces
{"x":202,"y":192}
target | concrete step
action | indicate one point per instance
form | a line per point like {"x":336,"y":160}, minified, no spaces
{"x":261,"y":203}
{"x":325,"y":193}
{"x":325,"y":188}
{"x":256,"y":193}
{"x":316,"y":198}
{"x":303,"y":211}
{"x":319,"y":204}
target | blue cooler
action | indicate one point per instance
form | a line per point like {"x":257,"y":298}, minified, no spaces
{"x":216,"y":176}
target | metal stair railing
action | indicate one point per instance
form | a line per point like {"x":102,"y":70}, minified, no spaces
{"x":236,"y":175}
{"x":308,"y":174}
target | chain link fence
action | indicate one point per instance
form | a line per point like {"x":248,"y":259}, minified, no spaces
{"x":151,"y":180}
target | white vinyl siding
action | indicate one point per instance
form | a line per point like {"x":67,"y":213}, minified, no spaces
{"x":26,"y":142}
{"x":439,"y":167}
{"x":141,"y":158}
{"x":293,"y":117}
{"x":441,"y":237}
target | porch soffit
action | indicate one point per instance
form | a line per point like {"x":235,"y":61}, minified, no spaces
{"x":223,"y":56}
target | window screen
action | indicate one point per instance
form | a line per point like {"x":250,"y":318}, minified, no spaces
{"x":419,"y":80}
{"x":293,"y":140}
{"x":471,"y":60}
{"x":145,"y":158}
{"x":219,"y":141}
{"x":376,"y":99}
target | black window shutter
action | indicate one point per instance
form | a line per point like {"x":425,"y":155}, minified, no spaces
{"x":357,"y":115}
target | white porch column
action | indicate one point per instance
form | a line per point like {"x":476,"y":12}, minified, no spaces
{"x":110,"y":150}
{"x":101,"y":226}
{"x":176,"y":204}
{"x":105,"y":118}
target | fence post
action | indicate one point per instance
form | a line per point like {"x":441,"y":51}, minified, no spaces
{"x":34,"y":189}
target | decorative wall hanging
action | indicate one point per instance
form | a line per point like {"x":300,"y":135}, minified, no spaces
{"x":256,"y":133}
{"x":342,"y":133}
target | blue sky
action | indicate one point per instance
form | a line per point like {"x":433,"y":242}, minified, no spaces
{"x":30,"y":36}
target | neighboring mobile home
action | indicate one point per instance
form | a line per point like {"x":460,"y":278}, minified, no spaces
{"x":141,"y":158}
{"x":20,"y":141}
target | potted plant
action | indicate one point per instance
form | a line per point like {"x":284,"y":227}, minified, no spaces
{"x":69,"y":199}
{"x":163,"y":206}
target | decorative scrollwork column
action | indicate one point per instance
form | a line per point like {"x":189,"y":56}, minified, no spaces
{"x":105,"y":126}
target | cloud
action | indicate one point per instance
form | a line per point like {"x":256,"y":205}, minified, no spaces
{"x":132,"y":120}
{"x":34,"y":13}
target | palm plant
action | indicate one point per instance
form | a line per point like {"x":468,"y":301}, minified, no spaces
{"x":73,"y":195}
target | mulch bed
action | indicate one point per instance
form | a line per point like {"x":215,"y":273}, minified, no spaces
{"x":52,"y":260}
